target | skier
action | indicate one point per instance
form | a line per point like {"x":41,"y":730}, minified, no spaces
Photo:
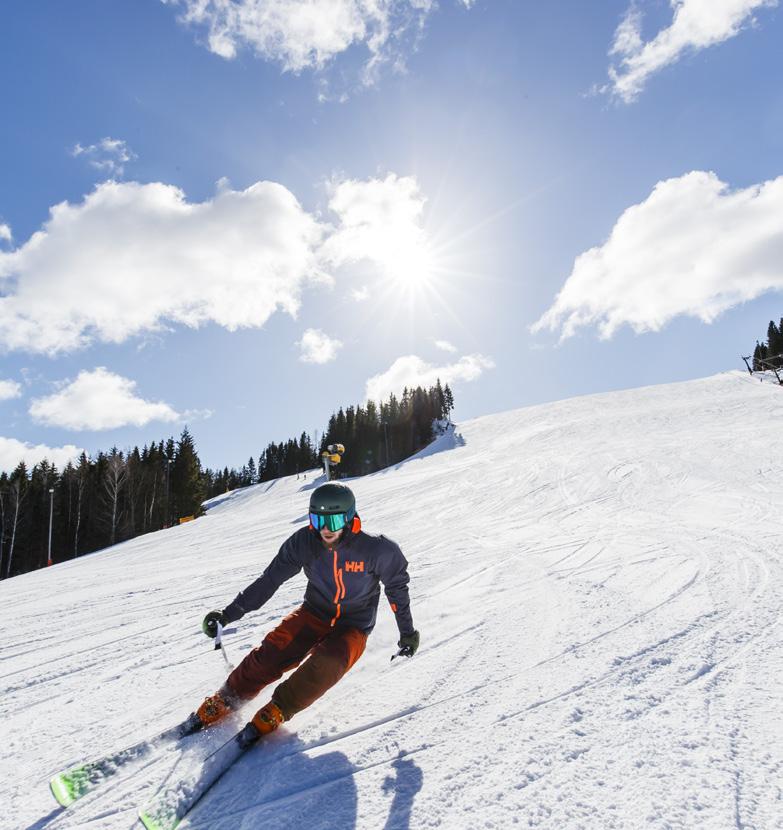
{"x":344,"y":566}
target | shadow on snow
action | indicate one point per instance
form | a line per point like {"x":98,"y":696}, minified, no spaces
{"x":284,"y":787}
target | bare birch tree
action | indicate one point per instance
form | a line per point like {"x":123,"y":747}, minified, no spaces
{"x":81,"y":483}
{"x":17,"y":493}
{"x":114,"y":481}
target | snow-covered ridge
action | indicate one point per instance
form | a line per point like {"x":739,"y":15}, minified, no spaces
{"x":597,"y":584}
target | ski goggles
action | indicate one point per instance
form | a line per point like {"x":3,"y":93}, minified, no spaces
{"x":329,"y":521}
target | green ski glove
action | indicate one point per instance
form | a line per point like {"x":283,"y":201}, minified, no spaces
{"x":409,"y":645}
{"x":209,"y":626}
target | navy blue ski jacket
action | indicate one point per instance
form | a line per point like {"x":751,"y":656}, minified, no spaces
{"x":343,"y":581}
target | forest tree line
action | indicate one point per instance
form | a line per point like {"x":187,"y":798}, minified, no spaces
{"x":771,"y":350}
{"x":95,"y":502}
{"x":374,"y":436}
{"x":118,"y":495}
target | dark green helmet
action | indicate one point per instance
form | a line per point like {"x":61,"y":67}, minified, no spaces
{"x":332,"y":506}
{"x":333,"y":498}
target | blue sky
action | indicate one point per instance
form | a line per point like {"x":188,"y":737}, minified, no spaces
{"x":266,"y":214}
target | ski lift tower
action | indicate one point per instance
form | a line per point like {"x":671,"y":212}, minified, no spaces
{"x":331,"y":457}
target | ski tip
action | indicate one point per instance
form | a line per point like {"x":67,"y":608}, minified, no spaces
{"x":61,"y":791}
{"x":151,"y":823}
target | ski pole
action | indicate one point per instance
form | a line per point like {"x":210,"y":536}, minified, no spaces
{"x":219,"y":645}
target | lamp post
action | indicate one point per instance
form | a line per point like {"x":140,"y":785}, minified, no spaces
{"x":386,"y":440}
{"x":168,"y":492}
{"x":51,"y":514}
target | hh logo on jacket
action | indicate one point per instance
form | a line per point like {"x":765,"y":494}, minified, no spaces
{"x":354,"y":567}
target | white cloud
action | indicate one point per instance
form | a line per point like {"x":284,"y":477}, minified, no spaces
{"x":9,"y":389}
{"x":693,"y":247}
{"x":359,"y":295}
{"x":445,"y":346}
{"x":5,"y":232}
{"x":318,"y":347}
{"x":696,"y":25}
{"x":411,"y":371}
{"x":99,"y":400}
{"x":132,"y":258}
{"x":380,"y":220}
{"x":109,"y":155}
{"x":13,"y":451}
{"x":307,"y":34}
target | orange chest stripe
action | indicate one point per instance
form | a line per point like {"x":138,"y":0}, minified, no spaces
{"x":336,"y":578}
{"x":342,"y":584}
{"x":339,"y":587}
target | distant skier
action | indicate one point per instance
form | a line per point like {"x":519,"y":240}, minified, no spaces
{"x":344,"y":568}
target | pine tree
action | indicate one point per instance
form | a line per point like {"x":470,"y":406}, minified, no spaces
{"x":448,"y":398}
{"x":440,"y":401}
{"x":186,"y":484}
{"x":773,"y":342}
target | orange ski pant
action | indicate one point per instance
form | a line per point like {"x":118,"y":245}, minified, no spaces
{"x":329,"y":653}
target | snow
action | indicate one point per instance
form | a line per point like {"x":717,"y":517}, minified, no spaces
{"x":597,"y":583}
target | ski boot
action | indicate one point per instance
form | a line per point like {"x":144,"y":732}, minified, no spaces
{"x":265,"y":720}
{"x":216,"y":707}
{"x":268,"y":718}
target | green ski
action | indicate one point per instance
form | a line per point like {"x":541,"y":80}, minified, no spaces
{"x":171,"y":805}
{"x":71,"y":785}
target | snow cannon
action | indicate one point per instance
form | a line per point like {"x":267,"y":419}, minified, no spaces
{"x":331,"y":457}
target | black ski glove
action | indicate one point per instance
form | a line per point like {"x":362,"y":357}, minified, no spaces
{"x":209,"y":626}
{"x":409,"y":644}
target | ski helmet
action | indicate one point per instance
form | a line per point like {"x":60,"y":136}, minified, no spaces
{"x":332,"y":506}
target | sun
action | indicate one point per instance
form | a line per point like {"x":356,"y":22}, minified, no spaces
{"x":410,"y":264}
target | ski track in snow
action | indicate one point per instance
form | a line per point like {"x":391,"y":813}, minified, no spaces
{"x":598,"y":587}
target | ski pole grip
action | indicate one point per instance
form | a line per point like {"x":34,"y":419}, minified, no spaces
{"x":218,"y":636}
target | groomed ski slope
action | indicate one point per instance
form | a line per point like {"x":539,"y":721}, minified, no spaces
{"x":598,"y":585}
